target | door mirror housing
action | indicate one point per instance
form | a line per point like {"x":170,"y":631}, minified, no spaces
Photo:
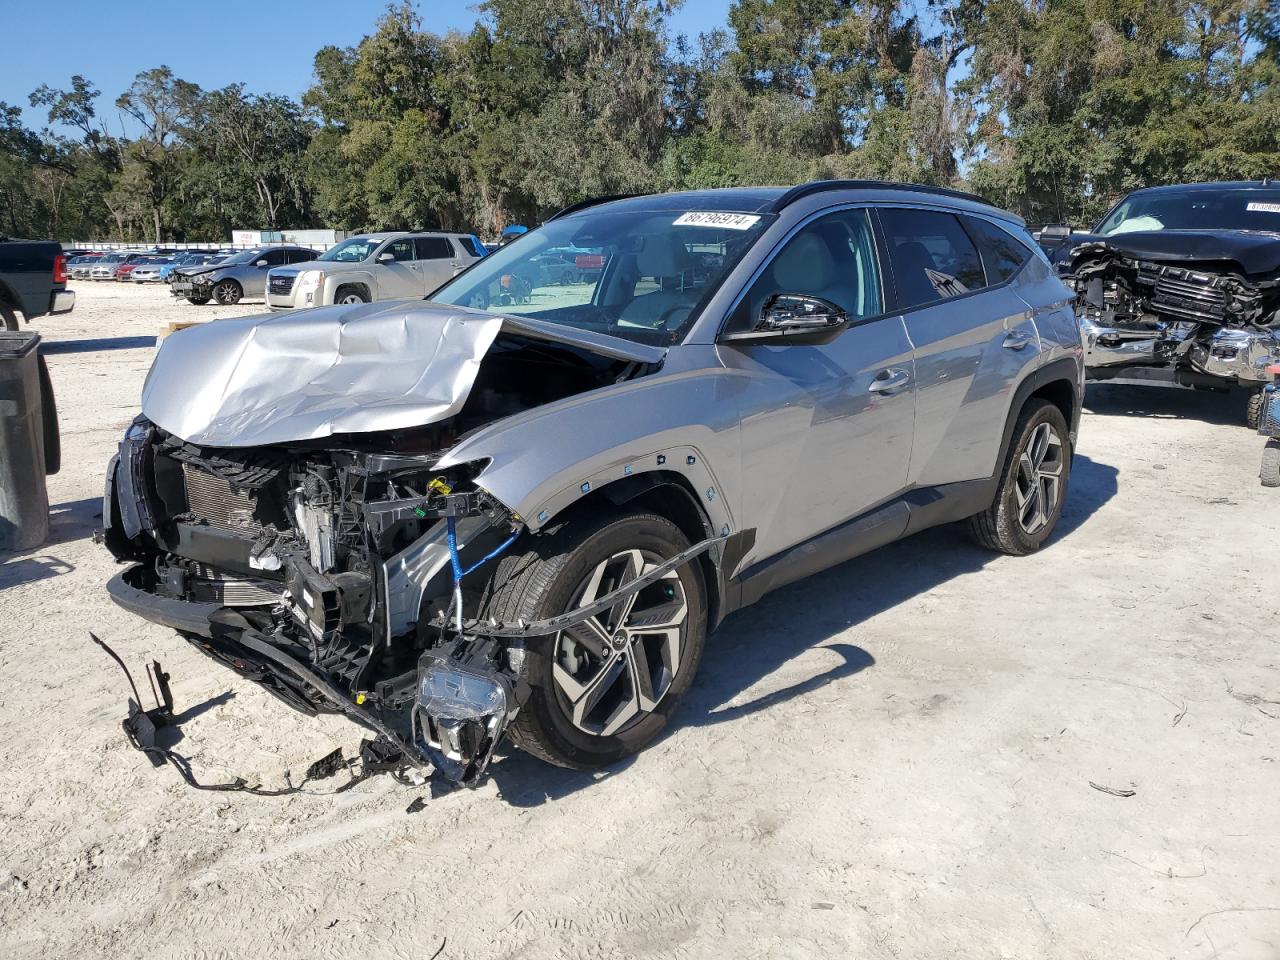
{"x":795,"y":318}
{"x":386,"y":256}
{"x":1054,"y":235}
{"x":261,"y":263}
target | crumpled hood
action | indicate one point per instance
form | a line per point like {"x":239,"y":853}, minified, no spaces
{"x":1255,"y":252}
{"x":285,"y":377}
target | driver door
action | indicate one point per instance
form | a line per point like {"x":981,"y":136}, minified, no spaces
{"x":399,"y":278}
{"x":826,"y":428}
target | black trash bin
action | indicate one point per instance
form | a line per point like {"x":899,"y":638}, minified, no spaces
{"x":24,"y":500}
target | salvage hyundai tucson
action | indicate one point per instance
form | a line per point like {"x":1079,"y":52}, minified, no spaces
{"x":1181,"y":285}
{"x":479,"y":514}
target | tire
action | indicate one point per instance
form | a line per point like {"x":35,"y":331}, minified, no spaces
{"x":8,"y":319}
{"x":1021,"y":517}
{"x":1271,"y":463}
{"x":199,"y":301}
{"x":550,"y":577}
{"x":227,"y":292}
{"x":1253,"y":412}
{"x":350,"y":295}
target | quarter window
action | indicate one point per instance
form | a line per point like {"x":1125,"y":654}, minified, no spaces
{"x":833,"y":258}
{"x":1002,"y":254}
{"x":434,"y":248}
{"x":933,"y":258}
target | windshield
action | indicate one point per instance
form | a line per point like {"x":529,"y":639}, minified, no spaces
{"x":245,"y":256}
{"x":351,"y":251}
{"x":637,"y":274}
{"x":1225,"y":209}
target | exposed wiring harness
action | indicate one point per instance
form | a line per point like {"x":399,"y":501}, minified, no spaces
{"x":455,"y":562}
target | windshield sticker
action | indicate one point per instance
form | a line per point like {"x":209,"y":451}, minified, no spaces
{"x":730,"y":221}
{"x":1264,"y":207}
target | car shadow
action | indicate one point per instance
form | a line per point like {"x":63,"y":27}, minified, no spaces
{"x":1166,"y":403}
{"x":49,"y":347}
{"x":753,"y":644}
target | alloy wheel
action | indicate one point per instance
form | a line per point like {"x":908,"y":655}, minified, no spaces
{"x":351,"y":298}
{"x":615,"y":667}
{"x":226,"y":293}
{"x":1038,"y":484}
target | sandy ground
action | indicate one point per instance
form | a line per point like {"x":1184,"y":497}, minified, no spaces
{"x":892,"y":759}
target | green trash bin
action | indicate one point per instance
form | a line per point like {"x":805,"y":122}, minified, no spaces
{"x":24,"y":499}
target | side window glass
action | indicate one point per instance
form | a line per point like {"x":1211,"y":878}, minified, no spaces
{"x":1002,"y":254}
{"x":834,"y":258}
{"x":933,"y":258}
{"x":401,"y":250}
{"x":434,"y":248}
{"x":274,"y":258}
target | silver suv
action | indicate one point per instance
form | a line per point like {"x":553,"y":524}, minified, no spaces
{"x":485,"y":513}
{"x":375,"y":266}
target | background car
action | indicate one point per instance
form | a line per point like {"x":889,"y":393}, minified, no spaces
{"x":104,"y":268}
{"x":375,"y":266}
{"x":148,"y":270}
{"x":240,"y":275}
{"x":190,"y":258}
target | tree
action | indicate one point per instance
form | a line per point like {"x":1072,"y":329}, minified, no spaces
{"x":161,"y":104}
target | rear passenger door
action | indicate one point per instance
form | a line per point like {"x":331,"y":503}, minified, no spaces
{"x":972,"y":337}
{"x":437,"y":260}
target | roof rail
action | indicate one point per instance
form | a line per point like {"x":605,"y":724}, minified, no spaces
{"x":820,"y":186}
{"x":591,"y":202}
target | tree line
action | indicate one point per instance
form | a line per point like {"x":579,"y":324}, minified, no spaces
{"x":1052,"y":108}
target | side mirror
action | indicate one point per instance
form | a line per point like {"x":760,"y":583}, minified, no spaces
{"x":261,"y":263}
{"x":795,"y":318}
{"x":386,"y":257}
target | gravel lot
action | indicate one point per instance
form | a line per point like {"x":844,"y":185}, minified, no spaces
{"x":892,"y":759}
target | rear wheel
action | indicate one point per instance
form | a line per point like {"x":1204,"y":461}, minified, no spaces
{"x":227,"y":292}
{"x":1033,"y":484}
{"x":604,"y":688}
{"x":8,"y":319}
{"x":1253,"y":412}
{"x":1271,"y":463}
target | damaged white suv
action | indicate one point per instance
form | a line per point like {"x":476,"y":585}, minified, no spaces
{"x":490,"y":512}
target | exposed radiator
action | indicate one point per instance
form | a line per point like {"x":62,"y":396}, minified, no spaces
{"x":212,"y":499}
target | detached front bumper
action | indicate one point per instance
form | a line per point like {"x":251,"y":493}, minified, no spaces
{"x":134,"y":590}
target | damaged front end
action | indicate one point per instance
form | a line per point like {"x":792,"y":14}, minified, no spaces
{"x":272,"y":560}
{"x":1201,"y":323}
{"x":298,"y":526}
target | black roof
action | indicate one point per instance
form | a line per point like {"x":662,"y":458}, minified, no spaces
{"x":763,"y":199}
{"x":1210,"y":187}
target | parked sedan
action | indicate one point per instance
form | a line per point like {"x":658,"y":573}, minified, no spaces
{"x":241,"y":275}
{"x":104,"y":268}
{"x":457,"y":518}
{"x":193,"y":258}
{"x":148,"y":271}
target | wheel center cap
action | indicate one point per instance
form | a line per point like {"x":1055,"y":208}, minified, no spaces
{"x":619,"y":640}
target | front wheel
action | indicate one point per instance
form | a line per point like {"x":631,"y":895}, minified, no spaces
{"x":604,"y":688}
{"x":349,"y":296}
{"x":227,"y":292}
{"x":1032,"y":485}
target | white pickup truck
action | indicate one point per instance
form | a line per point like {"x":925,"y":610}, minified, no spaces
{"x":374,"y":266}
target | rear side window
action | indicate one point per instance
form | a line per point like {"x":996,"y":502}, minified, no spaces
{"x":472,"y":246}
{"x":933,"y":258}
{"x":301,"y":256}
{"x":434,"y":248}
{"x":1002,"y":254}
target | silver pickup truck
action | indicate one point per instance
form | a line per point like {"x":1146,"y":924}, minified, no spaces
{"x":375,"y":266}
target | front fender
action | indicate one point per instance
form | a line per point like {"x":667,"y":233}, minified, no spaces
{"x":543,"y":461}
{"x":332,"y":281}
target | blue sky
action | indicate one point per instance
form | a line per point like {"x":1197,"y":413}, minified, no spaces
{"x":266,"y":44}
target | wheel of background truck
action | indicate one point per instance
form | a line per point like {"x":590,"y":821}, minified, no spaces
{"x":605,"y":688}
{"x":1271,"y":463}
{"x":8,"y":319}
{"x":1253,"y":412}
{"x":199,"y":301}
{"x":566,"y":276}
{"x":227,"y":292}
{"x":348,"y":295}
{"x":1033,"y":484}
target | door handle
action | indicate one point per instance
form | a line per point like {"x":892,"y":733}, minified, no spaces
{"x":889,"y":380}
{"x":1016,"y":340}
